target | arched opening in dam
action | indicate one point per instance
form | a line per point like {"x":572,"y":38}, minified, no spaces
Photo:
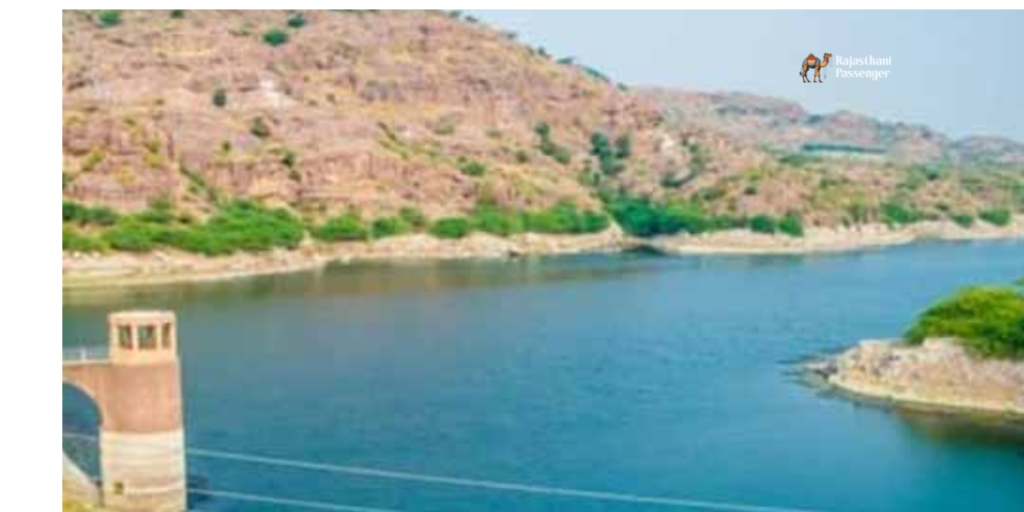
{"x":80,"y":425}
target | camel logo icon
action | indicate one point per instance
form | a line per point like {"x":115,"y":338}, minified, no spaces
{"x":812,"y":62}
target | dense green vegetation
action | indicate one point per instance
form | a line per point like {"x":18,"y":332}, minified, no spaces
{"x":645,"y":218}
{"x":472,"y":168}
{"x":964,"y":220}
{"x":996,"y":216}
{"x":792,"y":225}
{"x":390,"y":226}
{"x":989,"y":320}
{"x":610,"y":158}
{"x":348,"y":227}
{"x":562,"y":218}
{"x":275,"y":37}
{"x":898,"y":214}
{"x":248,"y":226}
{"x":296,"y":20}
{"x":237,"y":226}
{"x":451,"y":227}
{"x":109,"y":18}
{"x":81,"y":214}
{"x":75,"y":240}
{"x":763,"y":224}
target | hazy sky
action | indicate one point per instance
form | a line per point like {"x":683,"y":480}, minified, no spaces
{"x":959,"y":72}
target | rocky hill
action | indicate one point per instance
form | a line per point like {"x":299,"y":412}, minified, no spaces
{"x":367,"y":110}
{"x":326,"y":112}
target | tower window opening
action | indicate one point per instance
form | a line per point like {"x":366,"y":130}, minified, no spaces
{"x":124,"y":337}
{"x":147,"y":337}
{"x":165,"y":339}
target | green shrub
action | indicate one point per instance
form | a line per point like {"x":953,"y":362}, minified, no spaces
{"x":109,"y":18}
{"x":451,"y":227}
{"x":414,"y":217}
{"x":988,"y":320}
{"x":496,"y":221}
{"x":643,"y":218}
{"x":996,"y":216}
{"x":348,"y":227}
{"x":472,"y":168}
{"x":548,"y":146}
{"x":260,"y":128}
{"x":607,"y":157}
{"x":177,"y":14}
{"x":898,"y":214}
{"x":220,"y":97}
{"x":564,"y":218}
{"x":197,"y":240}
{"x":964,"y":220}
{"x":624,"y":147}
{"x":592,"y":222}
{"x":289,"y":158}
{"x":131,"y":235}
{"x":73,"y":240}
{"x":275,"y":37}
{"x":81,"y":214}
{"x":792,"y":225}
{"x":73,"y":211}
{"x":248,"y":226}
{"x":389,"y":226}
{"x":296,"y":20}
{"x":763,"y":224}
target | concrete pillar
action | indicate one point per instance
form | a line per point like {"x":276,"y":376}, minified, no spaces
{"x":142,"y":442}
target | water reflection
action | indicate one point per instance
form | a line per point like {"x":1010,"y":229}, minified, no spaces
{"x":974,"y":430}
{"x":374,"y":279}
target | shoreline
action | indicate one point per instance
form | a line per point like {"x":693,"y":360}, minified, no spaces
{"x":115,"y":270}
{"x":937,"y":375}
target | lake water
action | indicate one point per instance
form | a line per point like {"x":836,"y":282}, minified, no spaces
{"x":652,"y":376}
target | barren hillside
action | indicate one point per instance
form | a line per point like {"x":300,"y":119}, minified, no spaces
{"x":326,"y":112}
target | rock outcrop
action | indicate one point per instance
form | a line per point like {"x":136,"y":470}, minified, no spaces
{"x":939,"y":373}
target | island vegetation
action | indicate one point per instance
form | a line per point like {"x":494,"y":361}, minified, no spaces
{"x":988,"y":320}
{"x":965,"y":353}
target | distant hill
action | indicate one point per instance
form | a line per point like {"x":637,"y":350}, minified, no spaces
{"x":786,"y":126}
{"x":328,"y":112}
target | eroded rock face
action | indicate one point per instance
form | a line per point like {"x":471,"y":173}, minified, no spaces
{"x":937,"y":373}
{"x":375,"y":110}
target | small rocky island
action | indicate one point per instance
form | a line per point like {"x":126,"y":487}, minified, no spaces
{"x":964,"y":353}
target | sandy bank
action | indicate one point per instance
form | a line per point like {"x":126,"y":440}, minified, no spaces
{"x":168,"y":266}
{"x":837,"y":239}
{"x":939,"y":373}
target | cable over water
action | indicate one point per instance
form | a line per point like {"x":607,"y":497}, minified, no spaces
{"x":527,"y":488}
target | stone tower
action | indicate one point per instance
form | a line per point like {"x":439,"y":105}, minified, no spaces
{"x":138,"y":393}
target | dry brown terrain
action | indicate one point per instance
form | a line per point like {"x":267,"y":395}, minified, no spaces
{"x":376,"y":111}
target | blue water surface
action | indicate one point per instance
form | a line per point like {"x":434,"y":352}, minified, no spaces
{"x":634,"y":374}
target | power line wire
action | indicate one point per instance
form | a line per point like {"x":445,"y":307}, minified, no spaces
{"x":362,"y":471}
